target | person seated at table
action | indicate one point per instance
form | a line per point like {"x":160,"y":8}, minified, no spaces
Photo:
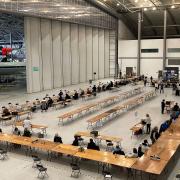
{"x":61,"y":98}
{"x":81,"y":92}
{"x":88,"y":91}
{"x":76,"y":95}
{"x":34,"y":107}
{"x":44,"y":106}
{"x":60,"y":93}
{"x":76,"y":141}
{"x":10,"y":106}
{"x":67,"y":96}
{"x":164,"y":126}
{"x":154,"y":134}
{"x":0,"y":131}
{"x":27,"y":133}
{"x":57,"y":139}
{"x":140,"y":152}
{"x":103,"y":87}
{"x":92,"y":145}
{"x":27,"y":123}
{"x":49,"y":102}
{"x":118,"y":150}
{"x":176,"y":107}
{"x":5,"y":111}
{"x":145,"y":146}
{"x":16,"y":131}
{"x":134,"y":154}
{"x":18,"y":107}
{"x":28,"y":105}
{"x":99,"y":88}
{"x":111,"y":84}
{"x":94,"y":88}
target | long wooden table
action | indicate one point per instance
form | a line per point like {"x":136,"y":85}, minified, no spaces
{"x":98,"y":120}
{"x":33,"y":126}
{"x":99,"y":137}
{"x":94,"y":106}
{"x":136,"y":128}
{"x":49,"y":146}
{"x":165,"y":148}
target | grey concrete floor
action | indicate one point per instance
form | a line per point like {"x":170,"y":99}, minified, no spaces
{"x":19,"y":166}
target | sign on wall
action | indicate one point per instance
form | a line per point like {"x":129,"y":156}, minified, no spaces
{"x":35,"y":68}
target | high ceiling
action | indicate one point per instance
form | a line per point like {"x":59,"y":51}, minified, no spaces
{"x":153,"y":15}
{"x":89,"y":12}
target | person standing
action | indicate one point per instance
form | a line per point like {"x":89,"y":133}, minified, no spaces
{"x":148,"y":124}
{"x":161,"y":88}
{"x":156,"y":86}
{"x":162,"y":106}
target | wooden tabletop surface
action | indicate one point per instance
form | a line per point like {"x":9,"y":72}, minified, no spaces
{"x":20,"y":123}
{"x":102,"y":137}
{"x":106,"y":157}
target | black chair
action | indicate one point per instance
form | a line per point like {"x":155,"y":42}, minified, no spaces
{"x":177,"y":176}
{"x":3,"y":154}
{"x":42,"y":171}
{"x":107,"y":175}
{"x":75,"y":170}
{"x":109,"y":145}
{"x":36,"y":161}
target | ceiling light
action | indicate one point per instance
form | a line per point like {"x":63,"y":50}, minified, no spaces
{"x":150,"y":4}
{"x":136,"y":1}
{"x":117,"y":4}
{"x":145,"y":0}
{"x":173,"y":6}
{"x":104,"y":0}
{"x":145,"y":9}
{"x":154,"y":8}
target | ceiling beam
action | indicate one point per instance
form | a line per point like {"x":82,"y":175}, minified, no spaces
{"x":150,"y":23}
{"x":154,"y":26}
{"x":174,"y":21}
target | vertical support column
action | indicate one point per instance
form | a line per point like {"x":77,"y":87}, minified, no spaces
{"x":139,"y":43}
{"x":116,"y":49}
{"x":10,"y":40}
{"x":164,"y":39}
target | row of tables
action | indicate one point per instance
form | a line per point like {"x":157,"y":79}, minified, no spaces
{"x":95,"y":106}
{"x":165,"y":148}
{"x":99,"y":119}
{"x":51,"y":147}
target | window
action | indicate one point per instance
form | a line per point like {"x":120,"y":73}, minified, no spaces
{"x":149,"y":50}
{"x":173,"y":50}
{"x":173,"y":61}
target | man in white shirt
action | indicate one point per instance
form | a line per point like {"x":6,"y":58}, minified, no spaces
{"x":148,"y":123}
{"x":27,"y":123}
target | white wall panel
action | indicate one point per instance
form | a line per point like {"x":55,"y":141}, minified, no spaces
{"x":75,"y":54}
{"x":46,"y":52}
{"x":57,"y":54}
{"x":95,"y":52}
{"x":150,"y":67}
{"x":33,"y":48}
{"x":127,"y":48}
{"x":101,"y":53}
{"x":82,"y":53}
{"x":106,"y":53}
{"x":89,"y":50}
{"x":66,"y":53}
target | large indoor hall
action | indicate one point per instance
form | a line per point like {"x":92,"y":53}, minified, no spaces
{"x":89,"y":89}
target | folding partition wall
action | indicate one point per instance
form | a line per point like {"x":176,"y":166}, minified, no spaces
{"x":60,"y":54}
